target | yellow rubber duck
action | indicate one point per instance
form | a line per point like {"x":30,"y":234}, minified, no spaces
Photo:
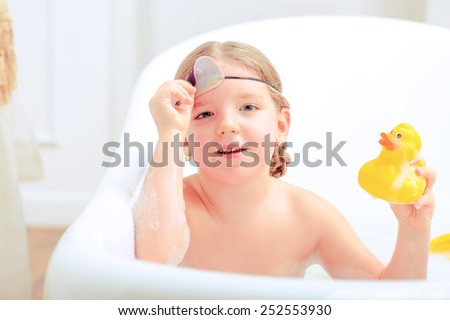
{"x":441,"y":245}
{"x":392,"y":175}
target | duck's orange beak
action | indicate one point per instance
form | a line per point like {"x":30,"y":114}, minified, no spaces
{"x":386,"y":142}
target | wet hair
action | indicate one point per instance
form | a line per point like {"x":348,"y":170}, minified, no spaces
{"x":255,"y":61}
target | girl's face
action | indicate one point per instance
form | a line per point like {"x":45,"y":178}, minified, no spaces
{"x":234,"y":127}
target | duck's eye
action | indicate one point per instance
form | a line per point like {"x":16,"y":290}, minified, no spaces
{"x":399,"y":136}
{"x":248,"y":107}
{"x":204,"y":115}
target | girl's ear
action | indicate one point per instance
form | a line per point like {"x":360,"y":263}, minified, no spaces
{"x":284,"y":122}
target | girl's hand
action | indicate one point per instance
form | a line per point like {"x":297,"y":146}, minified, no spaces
{"x":418,"y":215}
{"x":171,"y":106}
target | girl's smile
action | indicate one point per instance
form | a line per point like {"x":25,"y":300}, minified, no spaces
{"x":232,"y":150}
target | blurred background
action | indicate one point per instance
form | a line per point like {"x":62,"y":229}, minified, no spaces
{"x":79,"y":59}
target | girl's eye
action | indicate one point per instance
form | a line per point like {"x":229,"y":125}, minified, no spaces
{"x":204,"y":115}
{"x":248,"y":107}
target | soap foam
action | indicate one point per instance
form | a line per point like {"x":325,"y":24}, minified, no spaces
{"x":176,"y":255}
{"x":298,"y":268}
{"x":145,"y":209}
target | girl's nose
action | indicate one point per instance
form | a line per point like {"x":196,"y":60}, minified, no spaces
{"x":227,"y":125}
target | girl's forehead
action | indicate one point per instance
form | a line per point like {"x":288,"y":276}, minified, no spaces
{"x":236,"y":90}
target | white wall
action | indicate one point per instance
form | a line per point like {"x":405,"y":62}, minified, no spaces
{"x":438,"y":12}
{"x":78,"y":60}
{"x":64,"y":65}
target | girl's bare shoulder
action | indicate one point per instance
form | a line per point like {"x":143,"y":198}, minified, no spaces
{"x":308,"y":203}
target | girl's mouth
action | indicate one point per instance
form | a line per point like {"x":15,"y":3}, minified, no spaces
{"x":230,"y":151}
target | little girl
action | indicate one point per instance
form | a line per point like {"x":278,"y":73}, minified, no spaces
{"x":235,"y":214}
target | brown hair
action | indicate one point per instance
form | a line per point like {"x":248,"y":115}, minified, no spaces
{"x":255,"y":61}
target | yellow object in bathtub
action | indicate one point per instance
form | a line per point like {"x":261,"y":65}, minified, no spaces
{"x":441,"y":245}
{"x":392,"y":175}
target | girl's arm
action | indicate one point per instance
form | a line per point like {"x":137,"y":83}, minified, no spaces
{"x":410,"y":258}
{"x":161,"y":229}
{"x":345,"y":256}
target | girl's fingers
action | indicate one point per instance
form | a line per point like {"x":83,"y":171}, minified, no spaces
{"x":172,"y":104}
{"x":183,"y":96}
{"x":180,"y":98}
{"x":187,"y":86}
{"x":429,"y":174}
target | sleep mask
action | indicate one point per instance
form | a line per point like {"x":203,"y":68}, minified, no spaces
{"x":206,"y":75}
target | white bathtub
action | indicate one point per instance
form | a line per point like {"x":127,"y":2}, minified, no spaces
{"x":351,"y":76}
